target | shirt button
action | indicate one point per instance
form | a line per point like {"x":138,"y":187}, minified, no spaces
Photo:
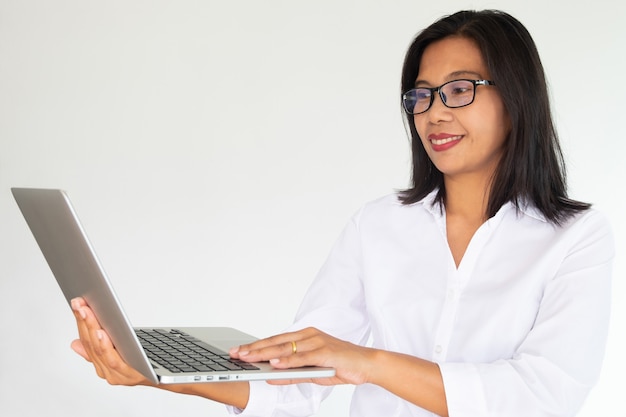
{"x":438,"y":349}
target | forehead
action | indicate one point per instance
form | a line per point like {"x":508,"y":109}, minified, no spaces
{"x":450,"y":58}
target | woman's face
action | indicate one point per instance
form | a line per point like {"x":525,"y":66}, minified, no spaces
{"x":464,"y":141}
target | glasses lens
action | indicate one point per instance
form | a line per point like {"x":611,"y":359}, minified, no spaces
{"x":417,"y":100}
{"x":458,"y":93}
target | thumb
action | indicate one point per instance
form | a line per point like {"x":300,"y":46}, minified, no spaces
{"x":77,"y":346}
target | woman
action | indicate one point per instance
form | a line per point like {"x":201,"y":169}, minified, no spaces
{"x":483,"y":288}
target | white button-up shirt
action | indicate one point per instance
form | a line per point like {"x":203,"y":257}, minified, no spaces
{"x":518,"y":329}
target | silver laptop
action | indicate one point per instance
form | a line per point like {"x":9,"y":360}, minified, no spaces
{"x":163,"y":354}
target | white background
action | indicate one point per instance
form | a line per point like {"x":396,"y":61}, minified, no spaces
{"x":228,"y":142}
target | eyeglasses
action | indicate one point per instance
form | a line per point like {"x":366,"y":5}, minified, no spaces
{"x":456,"y":93}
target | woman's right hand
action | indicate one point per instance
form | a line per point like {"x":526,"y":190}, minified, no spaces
{"x":96,"y":347}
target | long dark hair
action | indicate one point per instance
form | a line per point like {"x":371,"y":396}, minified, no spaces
{"x":531,"y":168}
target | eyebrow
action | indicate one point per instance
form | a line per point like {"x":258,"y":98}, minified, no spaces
{"x":453,"y":76}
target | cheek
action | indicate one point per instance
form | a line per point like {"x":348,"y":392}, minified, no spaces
{"x":496,"y":124}
{"x":504,"y":129}
{"x":501,"y":118}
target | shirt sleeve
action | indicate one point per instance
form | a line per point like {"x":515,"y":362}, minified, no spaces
{"x":333,"y":304}
{"x":559,"y":361}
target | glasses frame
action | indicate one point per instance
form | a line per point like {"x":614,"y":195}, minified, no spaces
{"x":441,"y":96}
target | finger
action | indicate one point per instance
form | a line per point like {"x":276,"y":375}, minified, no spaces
{"x":96,"y":346}
{"x":278,"y":350}
{"x":95,"y":352}
{"x":81,"y":310}
{"x":267,"y":342}
{"x":313,"y":357}
{"x":83,"y":332}
{"x":88,"y":330}
{"x":84,"y":326}
{"x":116,"y":370}
{"x":83,"y":345}
{"x":103,"y":354}
{"x":78,"y":302}
{"x":274,"y":346}
{"x":77,"y":346}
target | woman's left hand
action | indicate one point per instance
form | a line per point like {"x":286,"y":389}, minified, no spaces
{"x":311,"y":347}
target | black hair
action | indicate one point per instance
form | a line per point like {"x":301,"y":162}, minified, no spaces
{"x":532,"y":168}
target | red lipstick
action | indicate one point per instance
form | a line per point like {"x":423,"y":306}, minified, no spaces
{"x":443,"y":141}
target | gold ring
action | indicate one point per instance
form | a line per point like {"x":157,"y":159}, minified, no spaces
{"x":294,"y":348}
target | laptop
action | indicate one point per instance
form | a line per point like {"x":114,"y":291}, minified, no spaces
{"x":163,"y":354}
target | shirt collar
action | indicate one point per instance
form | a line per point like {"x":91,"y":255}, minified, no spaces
{"x":431,"y":205}
{"x":527,"y":208}
{"x":522,"y":207}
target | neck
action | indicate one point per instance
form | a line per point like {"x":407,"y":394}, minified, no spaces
{"x":467,"y":197}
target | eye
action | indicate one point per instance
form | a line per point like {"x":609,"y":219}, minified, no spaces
{"x":459,"y":90}
{"x":422,"y":94}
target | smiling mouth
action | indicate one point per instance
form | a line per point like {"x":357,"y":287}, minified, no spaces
{"x":445,"y":140}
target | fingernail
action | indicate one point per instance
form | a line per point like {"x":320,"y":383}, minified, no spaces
{"x":82,"y":313}
{"x":243,"y":352}
{"x":275,"y":361}
{"x":74,"y":304}
{"x":100,"y":334}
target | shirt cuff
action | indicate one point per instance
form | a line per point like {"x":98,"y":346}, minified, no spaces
{"x":464,"y":390}
{"x":262,"y":401}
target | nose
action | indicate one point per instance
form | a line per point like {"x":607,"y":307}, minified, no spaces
{"x":438,"y":112}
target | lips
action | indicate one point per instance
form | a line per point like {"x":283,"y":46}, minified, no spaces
{"x":443,"y":141}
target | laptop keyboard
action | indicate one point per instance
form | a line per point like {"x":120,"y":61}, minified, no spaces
{"x":178,"y":351}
